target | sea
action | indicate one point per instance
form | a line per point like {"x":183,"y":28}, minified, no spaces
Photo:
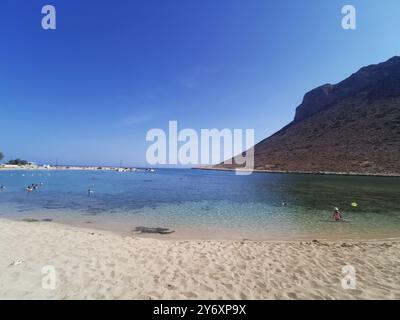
{"x":205,"y":204}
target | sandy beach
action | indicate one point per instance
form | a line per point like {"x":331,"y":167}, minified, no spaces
{"x":93,"y":264}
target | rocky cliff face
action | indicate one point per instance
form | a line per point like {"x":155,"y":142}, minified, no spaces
{"x":353,"y":126}
{"x":375,"y":81}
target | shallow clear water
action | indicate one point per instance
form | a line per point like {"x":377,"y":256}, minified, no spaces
{"x":208,"y":204}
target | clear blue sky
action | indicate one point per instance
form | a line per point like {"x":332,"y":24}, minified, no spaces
{"x":88,"y":92}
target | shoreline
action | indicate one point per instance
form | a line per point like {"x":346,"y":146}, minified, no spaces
{"x":93,"y":264}
{"x":169,"y":237}
{"x":72,"y":168}
{"x":327,"y":173}
{"x":190,"y":234}
{"x":137,"y":169}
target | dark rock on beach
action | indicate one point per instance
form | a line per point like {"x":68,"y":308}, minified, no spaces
{"x":153,"y":230}
{"x":36,"y":220}
{"x":29,"y":220}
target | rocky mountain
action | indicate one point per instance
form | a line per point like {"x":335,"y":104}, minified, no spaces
{"x":349,"y":127}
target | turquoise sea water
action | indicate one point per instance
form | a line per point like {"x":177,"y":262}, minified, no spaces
{"x":208,"y":204}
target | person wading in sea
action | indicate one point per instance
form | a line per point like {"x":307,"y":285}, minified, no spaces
{"x":337,"y":215}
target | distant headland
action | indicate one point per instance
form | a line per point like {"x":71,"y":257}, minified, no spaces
{"x":352,"y":127}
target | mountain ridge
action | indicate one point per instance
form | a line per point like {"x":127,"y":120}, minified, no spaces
{"x":349,"y":127}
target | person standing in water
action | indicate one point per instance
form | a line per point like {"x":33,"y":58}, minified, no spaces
{"x":337,"y":215}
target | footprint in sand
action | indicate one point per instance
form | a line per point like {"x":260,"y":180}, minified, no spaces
{"x":189,"y":295}
{"x":206,"y":288}
{"x":228,"y":286}
{"x":292,"y":295}
{"x":171,"y":287}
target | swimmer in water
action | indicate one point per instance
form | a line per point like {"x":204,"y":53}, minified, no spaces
{"x":337,"y":215}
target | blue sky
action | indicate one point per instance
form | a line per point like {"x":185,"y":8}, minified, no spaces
{"x":87,"y":92}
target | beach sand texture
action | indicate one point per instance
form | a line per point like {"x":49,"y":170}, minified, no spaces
{"x":92,"y":264}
